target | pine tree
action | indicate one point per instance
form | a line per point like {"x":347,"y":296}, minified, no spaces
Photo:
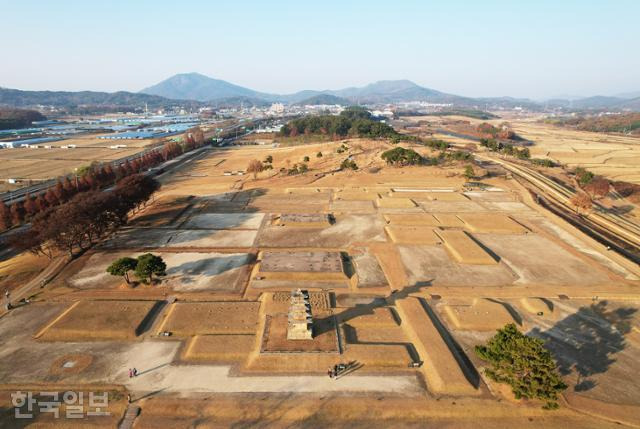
{"x":523,"y":363}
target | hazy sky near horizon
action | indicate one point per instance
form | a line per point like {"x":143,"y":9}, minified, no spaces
{"x":523,"y":48}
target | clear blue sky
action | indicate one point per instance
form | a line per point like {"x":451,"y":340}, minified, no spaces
{"x":532,"y":48}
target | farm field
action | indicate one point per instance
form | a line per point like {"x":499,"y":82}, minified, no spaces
{"x":40,"y":163}
{"x":611,"y":155}
{"x":614,"y":156}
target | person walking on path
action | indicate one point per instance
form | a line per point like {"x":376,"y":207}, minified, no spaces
{"x":128,"y":398}
{"x":135,"y":372}
{"x":130,"y":373}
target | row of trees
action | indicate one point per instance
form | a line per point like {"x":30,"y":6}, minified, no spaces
{"x":85,"y":218}
{"x":93,"y":177}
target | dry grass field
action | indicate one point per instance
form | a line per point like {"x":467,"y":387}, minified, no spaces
{"x":19,"y":269}
{"x":41,"y":163}
{"x":98,"y":320}
{"x":478,"y":314}
{"x":219,"y":348}
{"x":613,"y":156}
{"x":186,"y":319}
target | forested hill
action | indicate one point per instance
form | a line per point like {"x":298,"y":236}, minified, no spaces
{"x":353,"y":121}
{"x":74,"y":100}
{"x":18,"y":118}
{"x":628,"y":123}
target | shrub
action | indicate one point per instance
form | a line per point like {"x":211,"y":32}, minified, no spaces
{"x":348,"y":164}
{"x":583,"y":176}
{"x":542,"y":162}
{"x":255,"y":167}
{"x":469,"y":173}
{"x":400,"y":156}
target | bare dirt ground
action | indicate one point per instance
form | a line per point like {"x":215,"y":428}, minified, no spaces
{"x":398,"y":304}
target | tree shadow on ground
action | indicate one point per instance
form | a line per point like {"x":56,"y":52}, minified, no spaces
{"x":368,"y":309}
{"x":586,"y":341}
{"x":210,"y":267}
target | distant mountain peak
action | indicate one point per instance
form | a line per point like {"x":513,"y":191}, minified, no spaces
{"x":196,"y":86}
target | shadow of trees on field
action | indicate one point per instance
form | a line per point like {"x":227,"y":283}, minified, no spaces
{"x":209,"y":267}
{"x":586,"y":341}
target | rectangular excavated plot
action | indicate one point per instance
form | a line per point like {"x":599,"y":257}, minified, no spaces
{"x":494,"y":222}
{"x":480,"y":315}
{"x":379,"y":355}
{"x":538,"y":260}
{"x":289,"y":207}
{"x":463,"y":249}
{"x":490,"y":196}
{"x":184,"y":319}
{"x":451,"y":206}
{"x":442,"y":196}
{"x":506,"y":206}
{"x":186,"y":271}
{"x":381,"y":317}
{"x":432,"y":264}
{"x":212,"y":238}
{"x":355,"y":196}
{"x":163,"y":237}
{"x":411,"y":219}
{"x":448,"y":220}
{"x":368,"y":271}
{"x":304,"y":220}
{"x":395,"y":203}
{"x":219,"y":348}
{"x":224,"y":221}
{"x":301,"y":265}
{"x":98,"y":320}
{"x":275,"y":340}
{"x":367,"y":334}
{"x":412,"y":235}
{"x":309,"y":191}
{"x":347,"y":229}
{"x":352,"y":206}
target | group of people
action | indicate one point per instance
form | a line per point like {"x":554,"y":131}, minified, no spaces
{"x":133,"y":372}
{"x":336,"y":370}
